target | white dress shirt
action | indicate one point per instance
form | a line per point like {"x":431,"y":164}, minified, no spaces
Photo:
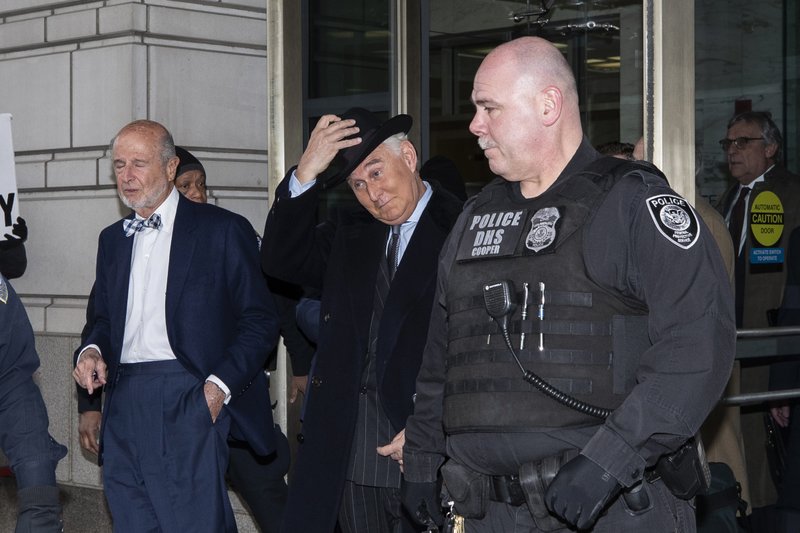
{"x":145,"y":336}
{"x":407,"y":228}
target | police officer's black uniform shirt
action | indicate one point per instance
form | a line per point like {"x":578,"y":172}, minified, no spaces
{"x":685,"y":288}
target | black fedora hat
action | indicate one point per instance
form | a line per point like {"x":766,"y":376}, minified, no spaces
{"x":372,"y":132}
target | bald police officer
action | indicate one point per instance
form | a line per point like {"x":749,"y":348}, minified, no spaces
{"x":611,"y":294}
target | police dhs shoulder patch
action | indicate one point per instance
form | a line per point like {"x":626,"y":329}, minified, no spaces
{"x":675,"y":219}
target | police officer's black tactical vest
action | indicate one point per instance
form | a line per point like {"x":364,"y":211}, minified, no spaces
{"x":581,"y":338}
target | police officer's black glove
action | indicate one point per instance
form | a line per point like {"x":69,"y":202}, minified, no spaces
{"x":423,"y":502}
{"x":580,"y":491}
{"x":20,"y":229}
{"x":20,"y":234}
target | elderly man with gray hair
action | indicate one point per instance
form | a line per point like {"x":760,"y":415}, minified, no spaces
{"x":376,"y":268}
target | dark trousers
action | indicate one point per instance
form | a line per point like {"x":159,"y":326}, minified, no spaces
{"x":789,"y":493}
{"x":39,"y":510}
{"x":165,"y":460}
{"x":260,"y":480}
{"x":367,"y":509}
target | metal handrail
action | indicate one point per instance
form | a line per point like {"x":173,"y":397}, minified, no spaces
{"x":765,"y":343}
{"x":760,"y":397}
{"x":767,"y":332}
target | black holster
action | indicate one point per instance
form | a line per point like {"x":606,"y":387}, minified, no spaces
{"x":469,"y":490}
{"x":685,"y":472}
{"x":535,"y":477}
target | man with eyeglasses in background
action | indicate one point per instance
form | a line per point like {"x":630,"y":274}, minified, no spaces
{"x":761,"y":210}
{"x":753,"y":147}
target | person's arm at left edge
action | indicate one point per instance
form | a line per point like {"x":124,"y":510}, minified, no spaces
{"x":255,"y":314}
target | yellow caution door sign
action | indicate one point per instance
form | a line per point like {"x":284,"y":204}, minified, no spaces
{"x":766,"y":227}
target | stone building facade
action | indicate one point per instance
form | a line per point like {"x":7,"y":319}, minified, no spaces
{"x":73,"y":73}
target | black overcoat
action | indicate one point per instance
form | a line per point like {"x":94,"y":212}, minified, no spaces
{"x":341,"y":259}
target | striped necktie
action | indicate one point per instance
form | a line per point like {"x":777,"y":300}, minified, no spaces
{"x":393,"y":252}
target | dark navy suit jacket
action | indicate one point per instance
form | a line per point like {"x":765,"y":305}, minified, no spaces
{"x":221,"y":319}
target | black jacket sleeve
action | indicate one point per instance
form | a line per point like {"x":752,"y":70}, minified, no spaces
{"x":86,"y":401}
{"x":294,"y":248}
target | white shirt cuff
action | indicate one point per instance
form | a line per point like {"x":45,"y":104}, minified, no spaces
{"x":296,"y":188}
{"x":96,"y":347}
{"x":218,"y":382}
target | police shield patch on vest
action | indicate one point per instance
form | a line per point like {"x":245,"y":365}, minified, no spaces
{"x":543,"y":229}
{"x":675,"y":219}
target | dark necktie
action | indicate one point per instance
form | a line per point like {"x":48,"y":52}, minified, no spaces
{"x":139,"y":224}
{"x":393,"y":252}
{"x":736,"y":220}
{"x":382,"y":283}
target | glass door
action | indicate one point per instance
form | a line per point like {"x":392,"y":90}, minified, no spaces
{"x":601,"y":39}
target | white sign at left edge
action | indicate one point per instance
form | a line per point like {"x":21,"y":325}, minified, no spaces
{"x":9,"y":204}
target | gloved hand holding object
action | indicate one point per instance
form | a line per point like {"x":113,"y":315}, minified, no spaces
{"x":580,"y":492}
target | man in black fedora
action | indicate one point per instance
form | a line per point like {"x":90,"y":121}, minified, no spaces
{"x":376,"y":267}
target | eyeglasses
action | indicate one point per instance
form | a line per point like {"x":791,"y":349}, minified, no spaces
{"x":738,"y":142}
